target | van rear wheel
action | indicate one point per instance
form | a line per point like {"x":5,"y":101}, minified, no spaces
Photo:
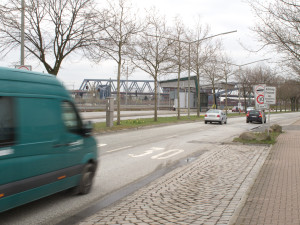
{"x":86,"y":180}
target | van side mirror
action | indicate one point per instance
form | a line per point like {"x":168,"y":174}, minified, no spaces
{"x":87,"y":128}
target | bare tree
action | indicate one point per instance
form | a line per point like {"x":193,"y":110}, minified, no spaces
{"x":54,"y":29}
{"x":152,"y":51}
{"x":245,"y":86}
{"x":227,"y":71}
{"x":293,"y":87}
{"x":179,"y":56}
{"x":261,"y":74}
{"x":212,"y":70}
{"x":200,"y":52}
{"x":120,"y":25}
{"x":279,"y":26}
{"x":248,"y":77}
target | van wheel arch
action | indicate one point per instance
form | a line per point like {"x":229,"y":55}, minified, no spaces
{"x":86,"y":179}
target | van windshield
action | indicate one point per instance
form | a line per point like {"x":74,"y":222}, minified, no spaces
{"x":70,"y":117}
{"x":6,"y":121}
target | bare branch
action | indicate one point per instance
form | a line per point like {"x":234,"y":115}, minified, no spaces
{"x":54,"y":29}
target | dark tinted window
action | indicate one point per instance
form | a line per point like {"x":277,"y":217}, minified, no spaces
{"x":70,"y":117}
{"x":254,"y":113}
{"x":7,"y":125}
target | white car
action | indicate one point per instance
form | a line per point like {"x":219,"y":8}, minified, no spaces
{"x":215,"y":115}
{"x":250,"y":109}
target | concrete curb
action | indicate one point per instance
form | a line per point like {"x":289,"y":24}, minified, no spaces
{"x":240,"y":206}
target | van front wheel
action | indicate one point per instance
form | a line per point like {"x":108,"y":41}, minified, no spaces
{"x":86,"y":180}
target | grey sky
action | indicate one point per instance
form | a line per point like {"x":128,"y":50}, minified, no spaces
{"x":220,"y":15}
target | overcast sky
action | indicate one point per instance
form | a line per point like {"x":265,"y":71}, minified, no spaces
{"x":220,"y":15}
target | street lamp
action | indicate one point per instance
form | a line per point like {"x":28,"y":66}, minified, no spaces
{"x":189,"y":70}
{"x":22,"y":32}
{"x":240,"y":73}
{"x":189,"y":52}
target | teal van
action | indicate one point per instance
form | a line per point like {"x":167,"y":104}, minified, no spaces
{"x":44,"y":146}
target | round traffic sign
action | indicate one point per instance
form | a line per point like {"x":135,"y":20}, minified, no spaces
{"x":259,"y":89}
{"x":260,"y":99}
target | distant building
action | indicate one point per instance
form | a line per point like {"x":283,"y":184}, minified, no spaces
{"x":170,"y":87}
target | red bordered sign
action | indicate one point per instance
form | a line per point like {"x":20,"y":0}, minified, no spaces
{"x":23,"y":67}
{"x":260,"y":99}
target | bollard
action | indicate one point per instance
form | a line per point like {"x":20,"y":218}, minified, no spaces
{"x":109,"y":112}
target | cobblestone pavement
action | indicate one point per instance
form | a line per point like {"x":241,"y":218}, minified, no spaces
{"x":275,"y":196}
{"x":206,"y":191}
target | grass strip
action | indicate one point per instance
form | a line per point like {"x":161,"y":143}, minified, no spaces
{"x":268,"y":141}
{"x":143,"y":122}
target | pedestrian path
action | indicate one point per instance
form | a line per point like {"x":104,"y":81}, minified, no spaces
{"x":207,"y":191}
{"x":275,"y":196}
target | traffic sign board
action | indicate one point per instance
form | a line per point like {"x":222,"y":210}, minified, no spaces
{"x":270,"y":95}
{"x":262,"y":106}
{"x":260,"y":99}
{"x":259,"y":89}
{"x":23,"y":67}
{"x":259,"y":93}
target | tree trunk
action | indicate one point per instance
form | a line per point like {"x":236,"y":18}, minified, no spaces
{"x":118,"y":87}
{"x":155,"y":98}
{"x":226,"y":93}
{"x":178,"y":94}
{"x":198,"y":96}
{"x":214,"y":95}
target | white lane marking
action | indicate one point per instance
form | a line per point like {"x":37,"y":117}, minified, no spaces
{"x":161,"y":155}
{"x":101,"y":145}
{"x":157,"y":149}
{"x":174,"y":136}
{"x":118,"y":149}
{"x":147,"y":152}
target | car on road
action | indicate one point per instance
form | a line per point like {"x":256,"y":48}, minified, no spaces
{"x":250,"y":108}
{"x":215,"y":115}
{"x":255,"y":116}
{"x":237,"y":109}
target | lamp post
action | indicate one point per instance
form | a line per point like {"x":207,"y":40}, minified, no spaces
{"x":189,"y":53}
{"x":22,"y":32}
{"x":189,"y":70}
{"x":240,"y":73}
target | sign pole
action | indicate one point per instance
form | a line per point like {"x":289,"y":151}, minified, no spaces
{"x":269,"y":122}
{"x":262,"y":119}
{"x":265,"y":96}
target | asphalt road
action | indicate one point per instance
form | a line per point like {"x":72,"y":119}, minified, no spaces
{"x":128,"y":156}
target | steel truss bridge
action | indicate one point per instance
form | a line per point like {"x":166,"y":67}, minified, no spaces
{"x":144,"y":87}
{"x":130,"y":87}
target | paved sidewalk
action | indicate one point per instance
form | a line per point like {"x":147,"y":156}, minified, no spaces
{"x":206,"y":191}
{"x":275,"y":196}
{"x":215,"y":189}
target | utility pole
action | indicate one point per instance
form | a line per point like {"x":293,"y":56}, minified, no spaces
{"x":22,"y":32}
{"x":240,"y":75}
{"x":189,"y":75}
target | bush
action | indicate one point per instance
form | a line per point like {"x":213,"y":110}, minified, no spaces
{"x":257,"y":138}
{"x":276,"y":128}
{"x":247,"y":136}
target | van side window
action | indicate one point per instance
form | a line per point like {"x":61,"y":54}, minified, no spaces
{"x":70,"y":117}
{"x":7,"y":126}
